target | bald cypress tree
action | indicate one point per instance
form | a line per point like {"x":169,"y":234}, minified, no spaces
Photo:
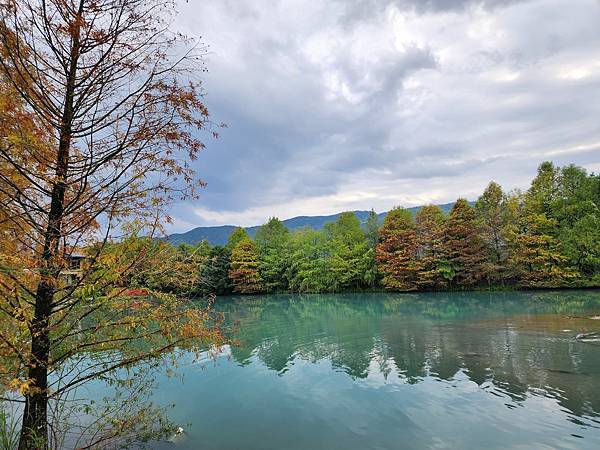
{"x":238,"y":235}
{"x":536,"y":254}
{"x":463,"y":247}
{"x":115,"y":90}
{"x":494,"y":214}
{"x":430,"y":232}
{"x":397,"y":251}
{"x":244,"y":273}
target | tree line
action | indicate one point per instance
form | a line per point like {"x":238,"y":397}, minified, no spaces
{"x":545,"y":237}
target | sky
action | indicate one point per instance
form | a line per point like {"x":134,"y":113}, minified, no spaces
{"x":336,"y":105}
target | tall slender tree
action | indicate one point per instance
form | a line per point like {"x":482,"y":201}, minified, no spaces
{"x":372,"y":234}
{"x":463,"y":245}
{"x":244,"y":270}
{"x":214,"y":272}
{"x":108,"y":82}
{"x":310,"y":269}
{"x":372,"y":229}
{"x":397,"y":251}
{"x":495,"y":216}
{"x":543,"y":190}
{"x":349,"y":253}
{"x":430,"y":232}
{"x":273,"y":240}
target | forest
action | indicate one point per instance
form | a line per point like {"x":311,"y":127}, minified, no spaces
{"x":545,"y":237}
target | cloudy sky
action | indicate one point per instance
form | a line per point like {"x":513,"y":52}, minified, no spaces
{"x":336,"y":105}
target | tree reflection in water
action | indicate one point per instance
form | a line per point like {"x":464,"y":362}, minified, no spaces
{"x":514,"y":344}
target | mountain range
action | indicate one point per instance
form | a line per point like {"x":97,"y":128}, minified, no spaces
{"x":218,"y":235}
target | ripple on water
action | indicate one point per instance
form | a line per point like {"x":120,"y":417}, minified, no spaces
{"x":386,"y":371}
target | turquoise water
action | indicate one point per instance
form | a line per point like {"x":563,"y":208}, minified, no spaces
{"x":390,"y":371}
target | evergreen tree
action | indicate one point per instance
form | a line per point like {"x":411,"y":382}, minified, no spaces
{"x":543,"y":190}
{"x":581,"y":244}
{"x":397,"y":251}
{"x":243,"y":271}
{"x":214,"y":272}
{"x":463,"y":246}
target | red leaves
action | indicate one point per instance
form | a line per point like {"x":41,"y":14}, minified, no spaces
{"x":397,"y":251}
{"x":136,"y":293}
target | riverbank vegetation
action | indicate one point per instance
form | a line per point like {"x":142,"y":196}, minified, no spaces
{"x":545,"y":237}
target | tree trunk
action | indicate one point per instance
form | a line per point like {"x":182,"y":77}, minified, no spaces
{"x":34,"y":429}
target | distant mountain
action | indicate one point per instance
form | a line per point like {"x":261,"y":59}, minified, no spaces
{"x":219,"y":235}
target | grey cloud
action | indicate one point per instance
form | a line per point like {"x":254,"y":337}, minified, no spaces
{"x":291,"y":137}
{"x":357,"y":10}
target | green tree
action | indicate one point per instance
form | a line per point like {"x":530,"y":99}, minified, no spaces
{"x":397,"y":251}
{"x":536,"y":254}
{"x":372,"y":276}
{"x":463,"y":246}
{"x":237,"y":235}
{"x":543,"y":190}
{"x":581,"y":244}
{"x":577,"y":210}
{"x":349,"y":252}
{"x":494,"y":216}
{"x":372,"y":229}
{"x":309,"y":271}
{"x":214,"y":272}
{"x":273,"y":240}
{"x":243,"y":271}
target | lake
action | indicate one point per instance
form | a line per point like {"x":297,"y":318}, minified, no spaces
{"x":388,"y":371}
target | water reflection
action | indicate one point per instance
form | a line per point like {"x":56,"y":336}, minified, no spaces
{"x":512,"y":345}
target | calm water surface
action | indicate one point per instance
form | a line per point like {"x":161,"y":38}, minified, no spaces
{"x":397,"y":371}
